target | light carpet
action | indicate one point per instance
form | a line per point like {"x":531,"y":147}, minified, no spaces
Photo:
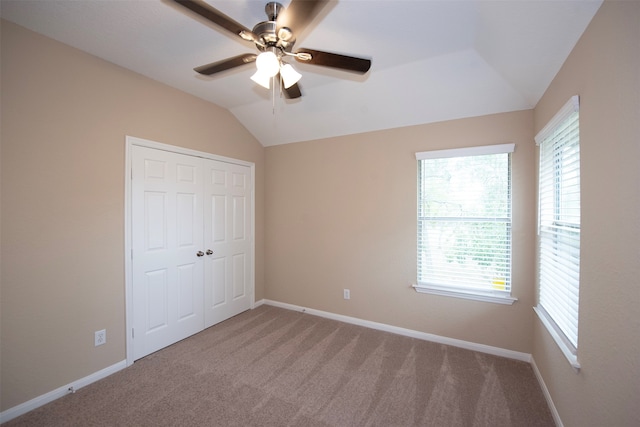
{"x":276,"y":367}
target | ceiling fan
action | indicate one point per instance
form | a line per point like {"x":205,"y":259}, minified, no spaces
{"x":274,"y":38}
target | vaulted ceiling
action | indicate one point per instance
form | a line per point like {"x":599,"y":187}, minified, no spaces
{"x":431,"y":60}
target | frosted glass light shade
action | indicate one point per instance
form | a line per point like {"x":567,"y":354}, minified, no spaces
{"x":262,"y":79}
{"x":289,"y":75}
{"x":268,"y":63}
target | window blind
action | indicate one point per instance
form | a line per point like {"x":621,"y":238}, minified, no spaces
{"x":464,"y":219}
{"x":559,"y":224}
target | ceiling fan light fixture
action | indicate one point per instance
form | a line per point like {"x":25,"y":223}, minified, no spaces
{"x":268,"y":63}
{"x":275,"y":39}
{"x":289,"y":75}
{"x":262,"y":79}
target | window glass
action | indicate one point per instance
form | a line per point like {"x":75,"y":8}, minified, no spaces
{"x":559,"y":228}
{"x":464,"y":221}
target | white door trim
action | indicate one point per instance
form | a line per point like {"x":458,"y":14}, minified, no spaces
{"x":129,"y":143}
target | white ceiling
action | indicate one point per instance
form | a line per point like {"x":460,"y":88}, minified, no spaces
{"x":431,"y":60}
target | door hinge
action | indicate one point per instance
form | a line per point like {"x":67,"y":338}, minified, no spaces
{"x":133,"y":333}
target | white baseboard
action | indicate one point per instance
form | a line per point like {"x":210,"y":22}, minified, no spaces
{"x":34,"y":403}
{"x":496,"y":351}
{"x":547,"y":395}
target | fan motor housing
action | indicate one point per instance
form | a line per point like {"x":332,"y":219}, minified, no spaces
{"x":266,"y":30}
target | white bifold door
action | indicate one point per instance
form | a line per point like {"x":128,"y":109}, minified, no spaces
{"x":191,"y":245}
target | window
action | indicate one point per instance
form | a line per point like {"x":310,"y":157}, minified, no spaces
{"x":559,"y":228}
{"x":464,"y":223}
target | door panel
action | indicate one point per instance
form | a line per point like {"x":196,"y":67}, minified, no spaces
{"x":156,"y":299}
{"x":167,"y":233}
{"x":239,"y":278}
{"x":218,"y":218}
{"x":228,"y":231}
{"x":217,"y":282}
{"x":187,"y":288}
{"x":238,"y":218}
{"x":186,"y":205}
{"x":155,"y":220}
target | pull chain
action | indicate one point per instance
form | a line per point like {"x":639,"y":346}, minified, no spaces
{"x":273,"y":95}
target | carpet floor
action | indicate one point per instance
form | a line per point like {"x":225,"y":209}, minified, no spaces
{"x":276,"y":367}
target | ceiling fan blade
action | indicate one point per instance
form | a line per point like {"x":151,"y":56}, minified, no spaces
{"x":210,"y":13}
{"x":292,"y":92}
{"x":335,"y":60}
{"x":299,"y":14}
{"x":226,"y":64}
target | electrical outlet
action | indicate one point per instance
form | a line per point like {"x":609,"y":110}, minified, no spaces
{"x":347,"y":294}
{"x":100,"y":337}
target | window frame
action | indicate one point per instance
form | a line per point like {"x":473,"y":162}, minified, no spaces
{"x":492,"y":296}
{"x":555,"y":186}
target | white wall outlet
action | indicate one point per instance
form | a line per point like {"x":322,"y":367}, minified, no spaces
{"x":100,"y":337}
{"x":347,"y":294}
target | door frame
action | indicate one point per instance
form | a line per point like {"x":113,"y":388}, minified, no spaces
{"x":130,"y":142}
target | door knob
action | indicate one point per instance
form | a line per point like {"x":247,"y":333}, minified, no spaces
{"x":200,"y":253}
{"x":209,"y":252}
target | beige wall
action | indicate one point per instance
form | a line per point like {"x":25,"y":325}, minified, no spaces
{"x":604,"y":69}
{"x":65,"y":115}
{"x":341,"y":213}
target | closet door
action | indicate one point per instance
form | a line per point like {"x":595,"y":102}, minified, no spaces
{"x":167,"y":244}
{"x":227,"y":225}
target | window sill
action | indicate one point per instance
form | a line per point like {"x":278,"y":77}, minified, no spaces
{"x":567,"y":349}
{"x":476,"y":296}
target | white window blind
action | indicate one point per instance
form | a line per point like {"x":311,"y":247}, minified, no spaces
{"x":464,"y":222}
{"x":559,"y":227}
